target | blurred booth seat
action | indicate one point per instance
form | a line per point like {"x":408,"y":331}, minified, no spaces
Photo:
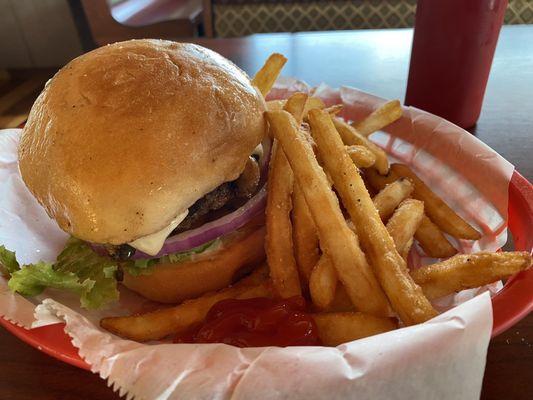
{"x":232,"y":18}
{"x":115,"y":20}
{"x":243,"y":17}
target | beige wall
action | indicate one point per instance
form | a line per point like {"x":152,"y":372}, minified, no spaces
{"x":37,"y":33}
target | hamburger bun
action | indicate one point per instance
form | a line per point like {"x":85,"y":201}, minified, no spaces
{"x":175,"y":282}
{"x":125,"y":138}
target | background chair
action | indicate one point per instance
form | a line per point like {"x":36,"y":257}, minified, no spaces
{"x":116,"y":20}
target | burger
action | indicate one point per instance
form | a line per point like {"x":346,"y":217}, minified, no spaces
{"x":152,"y":155}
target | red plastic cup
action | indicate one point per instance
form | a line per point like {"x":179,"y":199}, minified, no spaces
{"x":453,"y":46}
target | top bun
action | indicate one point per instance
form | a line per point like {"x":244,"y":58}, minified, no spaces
{"x":128,"y":136}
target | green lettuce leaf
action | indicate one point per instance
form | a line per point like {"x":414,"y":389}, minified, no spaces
{"x":78,"y":269}
{"x":8,"y":261}
{"x":145,"y":267}
{"x":34,"y":278}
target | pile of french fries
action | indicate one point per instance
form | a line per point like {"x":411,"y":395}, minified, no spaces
{"x":329,"y":240}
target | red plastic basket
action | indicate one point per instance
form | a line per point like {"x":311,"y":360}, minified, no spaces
{"x":510,"y":304}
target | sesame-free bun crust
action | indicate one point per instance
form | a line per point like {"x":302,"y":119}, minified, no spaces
{"x":128,"y":136}
{"x":174,"y":283}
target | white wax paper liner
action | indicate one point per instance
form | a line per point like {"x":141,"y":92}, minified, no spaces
{"x":443,"y":358}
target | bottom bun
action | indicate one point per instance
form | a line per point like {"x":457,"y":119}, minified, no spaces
{"x":175,"y":282}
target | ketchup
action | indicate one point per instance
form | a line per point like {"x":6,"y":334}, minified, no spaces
{"x":256,"y":322}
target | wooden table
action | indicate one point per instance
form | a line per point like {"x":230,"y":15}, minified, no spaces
{"x":374,"y":61}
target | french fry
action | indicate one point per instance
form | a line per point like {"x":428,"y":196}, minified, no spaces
{"x":404,"y":223}
{"x":405,"y":296}
{"x":341,"y":301}
{"x":433,"y":241}
{"x":430,"y":237}
{"x":338,"y":328}
{"x":407,"y":248}
{"x":158,"y":324}
{"x":380,"y":118}
{"x":322,"y":283}
{"x":295,"y":106}
{"x":379,"y":181}
{"x":278,"y":243}
{"x":465,"y":271}
{"x":391,"y":196}
{"x":305,"y":236}
{"x":361,"y":156}
{"x":336,"y":239}
{"x":371,"y":191}
{"x":436,"y":209}
{"x":269,"y":72}
{"x":313,"y":102}
{"x":334,"y":109}
{"x":275,"y":105}
{"x":351,"y":137}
